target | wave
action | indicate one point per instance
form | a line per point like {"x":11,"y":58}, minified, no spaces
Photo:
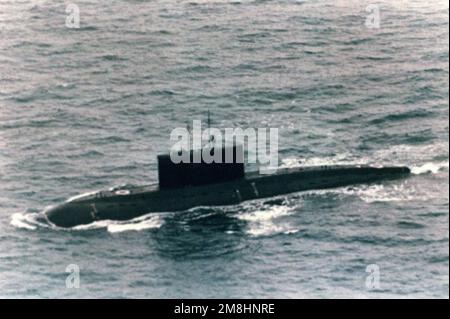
{"x":29,"y":221}
{"x":149,"y":221}
{"x":261,"y":219}
{"x":426,"y":168}
{"x":395,"y":117}
{"x":385,"y":193}
{"x":34,"y":221}
{"x":266,"y":222}
{"x":20,"y":220}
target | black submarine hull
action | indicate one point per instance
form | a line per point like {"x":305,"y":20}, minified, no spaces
{"x":124,"y":204}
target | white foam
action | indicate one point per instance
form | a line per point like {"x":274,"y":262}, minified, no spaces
{"x":264,"y":229}
{"x":388,"y":193}
{"x":22,"y":221}
{"x":148,"y":221}
{"x":265,"y":215}
{"x":265,"y":222}
{"x":95,"y":225}
{"x":29,"y":221}
{"x":152,"y":222}
{"x":373,"y":193}
{"x":433,"y":168}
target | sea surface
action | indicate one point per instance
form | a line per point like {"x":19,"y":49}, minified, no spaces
{"x":88,"y":108}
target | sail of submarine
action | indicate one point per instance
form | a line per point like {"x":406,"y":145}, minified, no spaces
{"x":186,"y":185}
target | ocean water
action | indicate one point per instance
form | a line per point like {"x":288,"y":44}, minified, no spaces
{"x":89,"y":108}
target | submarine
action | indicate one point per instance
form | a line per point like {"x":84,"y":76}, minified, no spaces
{"x":182,"y":186}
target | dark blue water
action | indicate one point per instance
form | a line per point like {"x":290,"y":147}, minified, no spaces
{"x":90,"y":108}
